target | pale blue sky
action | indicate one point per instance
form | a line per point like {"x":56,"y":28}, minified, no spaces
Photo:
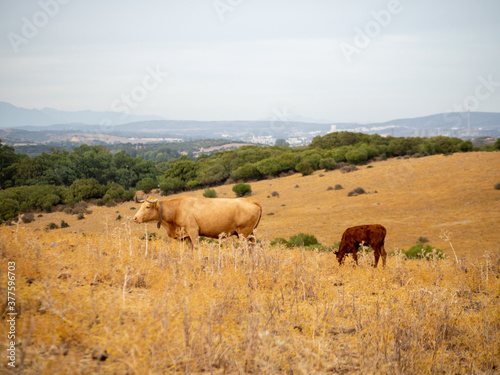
{"x":338,"y":61}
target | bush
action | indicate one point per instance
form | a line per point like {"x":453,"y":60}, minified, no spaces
{"x":28,"y":218}
{"x":242,"y":189}
{"x":279,"y":240}
{"x":356,"y":156}
{"x":302,"y":239}
{"x":327,"y":164}
{"x":114,"y":191}
{"x":9,"y":208}
{"x":53,"y":226}
{"x":305,"y":168}
{"x":245,"y":172}
{"x":497,"y":186}
{"x":346,"y":168}
{"x":146,"y":184}
{"x":357,"y":191}
{"x":87,"y":188}
{"x":172,"y":185}
{"x":421,"y":251}
{"x":64,"y":224}
{"x":210,"y":193}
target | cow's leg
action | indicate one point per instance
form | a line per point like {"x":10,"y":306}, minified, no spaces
{"x":194,"y":236}
{"x":384,"y":254}
{"x":355,"y":252}
{"x":376,"y":251}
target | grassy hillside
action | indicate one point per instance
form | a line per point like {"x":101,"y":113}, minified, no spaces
{"x":414,"y":197}
{"x":96,"y":298}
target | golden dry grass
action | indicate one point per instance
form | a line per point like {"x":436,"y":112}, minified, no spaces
{"x":92,"y":287}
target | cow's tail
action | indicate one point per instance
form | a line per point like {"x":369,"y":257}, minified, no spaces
{"x":260,"y":214}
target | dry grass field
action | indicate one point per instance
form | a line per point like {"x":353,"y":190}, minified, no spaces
{"x":96,"y":298}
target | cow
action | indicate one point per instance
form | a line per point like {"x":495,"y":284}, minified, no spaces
{"x":191,"y":217}
{"x":373,"y":235}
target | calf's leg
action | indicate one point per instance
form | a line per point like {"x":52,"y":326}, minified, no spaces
{"x":384,"y":255}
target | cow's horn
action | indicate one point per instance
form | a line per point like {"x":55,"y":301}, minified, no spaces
{"x":152,"y":201}
{"x":138,"y":200}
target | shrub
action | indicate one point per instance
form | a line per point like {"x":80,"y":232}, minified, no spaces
{"x":268,"y":167}
{"x":421,"y":251}
{"x":28,"y":218}
{"x":305,"y":168}
{"x":279,"y":240}
{"x":245,"y":172}
{"x":422,"y":239}
{"x":328,"y":164}
{"x":113,"y":192}
{"x":210,"y":193}
{"x":302,"y":239}
{"x":338,"y":187}
{"x":242,"y":189}
{"x":80,"y":216}
{"x":64,"y":224}
{"x":53,"y":226}
{"x":357,"y":191}
{"x":9,"y":208}
{"x":356,"y":156}
{"x":172,"y":185}
{"x":86,"y":188}
{"x":146,"y":184}
{"x":497,"y":186}
{"x":346,"y":168}
{"x":77,"y":209}
{"x":275,"y":194}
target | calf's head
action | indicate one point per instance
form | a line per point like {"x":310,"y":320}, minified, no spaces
{"x":151,"y":210}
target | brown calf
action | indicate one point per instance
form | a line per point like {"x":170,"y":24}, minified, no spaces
{"x":373,"y":235}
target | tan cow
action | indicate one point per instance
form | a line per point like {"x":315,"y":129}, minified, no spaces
{"x":196,"y":216}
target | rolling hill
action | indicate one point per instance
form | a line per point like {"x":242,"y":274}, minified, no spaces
{"x":412,"y":197}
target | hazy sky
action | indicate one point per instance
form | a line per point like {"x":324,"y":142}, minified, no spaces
{"x":337,"y":60}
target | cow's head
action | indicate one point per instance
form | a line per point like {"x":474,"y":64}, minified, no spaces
{"x":339,"y":255}
{"x":151,"y":210}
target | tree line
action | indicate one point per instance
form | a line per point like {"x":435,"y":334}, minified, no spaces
{"x":93,"y":172}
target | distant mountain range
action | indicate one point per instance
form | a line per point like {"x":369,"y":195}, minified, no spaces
{"x":14,"y":117}
{"x":31,"y":125}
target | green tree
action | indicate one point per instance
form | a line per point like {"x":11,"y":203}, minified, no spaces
{"x":246,"y":172}
{"x":146,"y":184}
{"x":172,"y":185}
{"x":356,"y":156}
{"x":86,"y":188}
{"x":328,"y":164}
{"x":9,"y":209}
{"x":268,"y":167}
{"x":304,"y":168}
